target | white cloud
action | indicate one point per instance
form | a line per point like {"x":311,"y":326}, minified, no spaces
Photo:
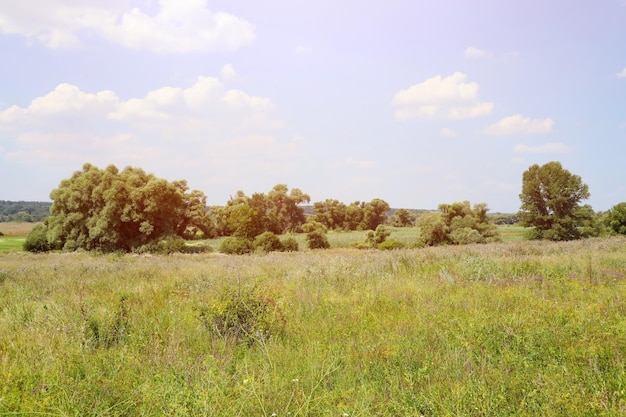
{"x":622,"y":74}
{"x":449,"y":97}
{"x":165,"y":130}
{"x":228,"y":72}
{"x":177,"y":25}
{"x":545,"y":148}
{"x":519,"y":125}
{"x":472,"y":52}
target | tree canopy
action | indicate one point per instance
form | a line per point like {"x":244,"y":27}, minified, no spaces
{"x":550,"y":202}
{"x":111,"y":210}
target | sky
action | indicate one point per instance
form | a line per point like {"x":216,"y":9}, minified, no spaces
{"x":417,"y":102}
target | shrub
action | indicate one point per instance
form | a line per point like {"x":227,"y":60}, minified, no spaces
{"x":243,"y":316}
{"x":317,"y":240}
{"x":390,"y":244}
{"x":290,"y":245}
{"x":268,"y":242}
{"x":375,"y":238}
{"x":37,"y":239}
{"x":236,"y":246}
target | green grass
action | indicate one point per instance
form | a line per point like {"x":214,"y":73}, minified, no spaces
{"x":11,"y":243}
{"x":516,"y":328}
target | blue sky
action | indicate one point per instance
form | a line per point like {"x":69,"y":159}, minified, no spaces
{"x":416,"y":102}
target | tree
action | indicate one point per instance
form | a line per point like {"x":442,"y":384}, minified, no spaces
{"x":374,"y":214}
{"x":111,"y":210}
{"x":402,"y":218}
{"x":615,"y":219}
{"x":458,"y":224}
{"x":550,"y":202}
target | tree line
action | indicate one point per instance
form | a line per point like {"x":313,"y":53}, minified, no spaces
{"x":131,"y":210}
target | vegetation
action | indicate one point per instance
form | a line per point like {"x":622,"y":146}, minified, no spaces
{"x":615,"y":219}
{"x":457,"y":224}
{"x":109,"y":210}
{"x":23,"y":211}
{"x":335,"y":215}
{"x":524,"y":329}
{"x":550,"y":203}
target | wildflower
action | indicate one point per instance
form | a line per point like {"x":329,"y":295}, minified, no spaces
{"x":245,"y":381}
{"x":295,"y":380}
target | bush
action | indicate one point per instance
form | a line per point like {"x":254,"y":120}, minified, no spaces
{"x":290,"y":245}
{"x":236,"y":246}
{"x":37,"y":239}
{"x":268,"y":242}
{"x":317,"y":240}
{"x":244,"y":317}
{"x":390,"y":244}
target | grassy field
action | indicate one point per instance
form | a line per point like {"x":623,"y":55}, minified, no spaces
{"x":14,"y":235}
{"x":514,"y":328}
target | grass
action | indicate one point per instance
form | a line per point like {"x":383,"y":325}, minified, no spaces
{"x":514,"y":328}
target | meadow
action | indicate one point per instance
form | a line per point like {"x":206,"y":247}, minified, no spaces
{"x":512,"y":328}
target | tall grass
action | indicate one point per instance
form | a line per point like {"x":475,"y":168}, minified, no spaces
{"x":521,"y":329}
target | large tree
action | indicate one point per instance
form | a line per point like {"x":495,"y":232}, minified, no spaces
{"x":111,"y":210}
{"x":615,"y":219}
{"x":550,"y":202}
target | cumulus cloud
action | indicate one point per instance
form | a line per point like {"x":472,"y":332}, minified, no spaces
{"x":519,"y":125}
{"x":450,"y":97}
{"x":622,"y":74}
{"x":472,"y":52}
{"x":545,"y":148}
{"x":169,"y":128}
{"x":178,"y":26}
{"x":447,"y":133}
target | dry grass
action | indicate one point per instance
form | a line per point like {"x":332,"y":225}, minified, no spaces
{"x":20,"y":229}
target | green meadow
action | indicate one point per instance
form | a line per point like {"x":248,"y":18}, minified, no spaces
{"x":511,"y":328}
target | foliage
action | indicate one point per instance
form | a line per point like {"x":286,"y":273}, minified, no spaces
{"x":290,"y":244}
{"x":248,"y":216}
{"x":236,"y":246}
{"x":615,"y":219}
{"x":357,"y":216}
{"x":402,"y":218}
{"x":23,"y":211}
{"x":391,"y":244}
{"x":37,"y":239}
{"x":457,"y":224}
{"x":375,"y":238}
{"x":268,"y":242}
{"x":550,"y":202}
{"x":109,"y":210}
{"x":243,"y":316}
{"x":317,"y":240}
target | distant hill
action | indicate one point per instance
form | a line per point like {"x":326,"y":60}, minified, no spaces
{"x":24,"y":211}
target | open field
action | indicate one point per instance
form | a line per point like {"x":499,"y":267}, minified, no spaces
{"x":524,"y":329}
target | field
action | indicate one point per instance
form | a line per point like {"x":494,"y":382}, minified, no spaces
{"x":513,"y":328}
{"x":14,"y":235}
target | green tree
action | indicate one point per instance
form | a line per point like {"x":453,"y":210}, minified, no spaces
{"x":111,"y":210}
{"x":550,"y":202}
{"x":374,"y":214}
{"x":284,"y":213}
{"x":615,"y":219}
{"x":458,"y":224}
{"x":402,"y":218}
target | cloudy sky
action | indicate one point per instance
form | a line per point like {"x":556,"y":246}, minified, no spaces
{"x":418,"y":102}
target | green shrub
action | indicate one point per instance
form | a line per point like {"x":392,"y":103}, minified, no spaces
{"x":236,"y":246}
{"x":290,"y":244}
{"x":37,"y":239}
{"x":390,"y":244}
{"x":268,"y":242}
{"x":360,"y":245}
{"x":317,"y":240}
{"x":243,"y":316}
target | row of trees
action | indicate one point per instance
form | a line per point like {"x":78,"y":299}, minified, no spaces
{"x":112,"y":210}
